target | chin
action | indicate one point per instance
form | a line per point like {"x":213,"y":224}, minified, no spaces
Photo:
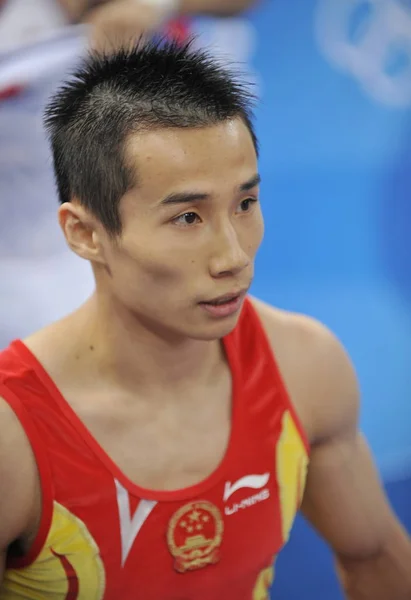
{"x":216,"y":330}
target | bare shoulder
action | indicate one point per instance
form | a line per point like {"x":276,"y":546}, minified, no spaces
{"x":316,"y":369}
{"x":298,"y":332}
{"x":19,"y":481}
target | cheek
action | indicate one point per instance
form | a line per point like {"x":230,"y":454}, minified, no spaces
{"x":260,"y":229}
{"x":151,"y":264}
{"x":253,"y":234}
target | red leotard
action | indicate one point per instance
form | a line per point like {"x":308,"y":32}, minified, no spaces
{"x":103,"y":537}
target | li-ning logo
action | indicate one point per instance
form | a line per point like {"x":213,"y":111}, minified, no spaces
{"x":254,"y":482}
{"x":236,"y":506}
{"x":382,"y":27}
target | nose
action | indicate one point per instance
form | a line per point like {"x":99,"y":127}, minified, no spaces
{"x":228,"y":256}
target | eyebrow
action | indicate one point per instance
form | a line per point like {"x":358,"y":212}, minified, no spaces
{"x":251,"y":183}
{"x":191,"y":197}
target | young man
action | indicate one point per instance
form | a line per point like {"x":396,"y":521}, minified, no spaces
{"x":165,"y":434}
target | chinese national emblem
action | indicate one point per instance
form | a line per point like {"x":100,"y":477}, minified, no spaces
{"x":194,"y":536}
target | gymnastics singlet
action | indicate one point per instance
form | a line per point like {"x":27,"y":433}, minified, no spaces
{"x":102,"y":537}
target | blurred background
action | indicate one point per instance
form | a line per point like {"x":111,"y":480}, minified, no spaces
{"x":334,"y":122}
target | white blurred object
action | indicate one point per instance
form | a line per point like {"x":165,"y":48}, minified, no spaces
{"x":45,"y":59}
{"x":25,"y":21}
{"x":387,"y":30}
{"x":28,"y":196}
{"x":40,"y":278}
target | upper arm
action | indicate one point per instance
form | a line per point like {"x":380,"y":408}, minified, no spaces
{"x":227,"y":7}
{"x":344,"y":499}
{"x":76,"y":10}
{"x":18,"y":480}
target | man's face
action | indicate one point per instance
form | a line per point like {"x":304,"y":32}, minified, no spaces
{"x":191,"y":229}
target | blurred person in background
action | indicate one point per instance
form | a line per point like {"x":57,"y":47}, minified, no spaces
{"x":118,"y":21}
{"x":110,"y":21}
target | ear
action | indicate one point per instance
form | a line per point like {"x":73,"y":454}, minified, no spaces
{"x":82,"y":231}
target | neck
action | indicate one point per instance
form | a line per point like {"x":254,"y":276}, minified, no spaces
{"x":130,"y":353}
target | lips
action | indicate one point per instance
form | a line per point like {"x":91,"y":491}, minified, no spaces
{"x":224,"y":306}
{"x":224,"y":299}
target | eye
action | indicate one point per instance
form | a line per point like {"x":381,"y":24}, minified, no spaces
{"x":246,"y":204}
{"x":187,"y":219}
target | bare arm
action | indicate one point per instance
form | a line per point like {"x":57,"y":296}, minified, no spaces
{"x":345,"y":503}
{"x":344,"y":498}
{"x":18,"y":482}
{"x":216,"y":7}
{"x":114,"y":23}
{"x":77,"y":9}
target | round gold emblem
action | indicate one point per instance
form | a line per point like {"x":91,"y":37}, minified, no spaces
{"x":194,"y":536}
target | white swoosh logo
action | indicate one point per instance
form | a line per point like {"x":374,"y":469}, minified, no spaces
{"x":249,"y":481}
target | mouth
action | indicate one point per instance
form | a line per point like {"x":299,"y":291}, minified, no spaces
{"x":224,"y":306}
{"x":224,"y":299}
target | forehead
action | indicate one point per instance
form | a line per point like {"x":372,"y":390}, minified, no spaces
{"x":167,"y":159}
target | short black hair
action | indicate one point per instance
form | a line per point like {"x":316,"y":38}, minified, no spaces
{"x":155,"y":84}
